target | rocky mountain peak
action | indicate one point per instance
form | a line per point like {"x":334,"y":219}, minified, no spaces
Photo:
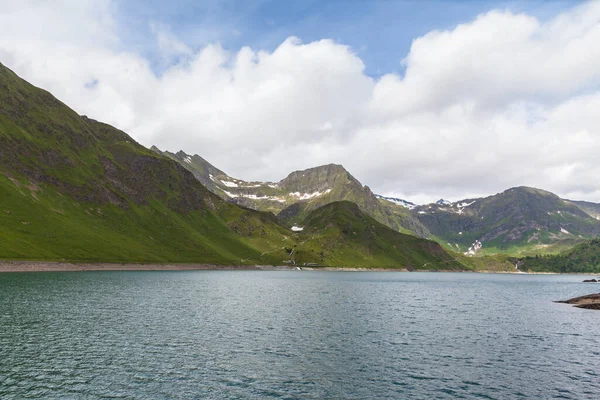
{"x":317,"y":178}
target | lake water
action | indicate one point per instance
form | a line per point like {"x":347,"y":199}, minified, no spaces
{"x":295,"y":335}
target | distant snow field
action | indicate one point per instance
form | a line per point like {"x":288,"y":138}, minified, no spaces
{"x":229,"y":184}
{"x":307,"y":196}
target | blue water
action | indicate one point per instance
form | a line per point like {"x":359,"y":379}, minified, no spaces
{"x":295,"y":335}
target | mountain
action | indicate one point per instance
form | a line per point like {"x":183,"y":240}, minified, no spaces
{"x":340,"y":233}
{"x":301,"y":192}
{"x":75,"y":189}
{"x":397,"y":201}
{"x":583,"y":258}
{"x":264,"y":196}
{"x":202,"y":169}
{"x":517,"y":220}
{"x":592,"y":209}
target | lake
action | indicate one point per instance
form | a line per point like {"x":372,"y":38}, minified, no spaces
{"x":295,"y":335}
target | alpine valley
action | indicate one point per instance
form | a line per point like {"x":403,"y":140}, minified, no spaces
{"x":517,"y":222}
{"x":78,"y":190}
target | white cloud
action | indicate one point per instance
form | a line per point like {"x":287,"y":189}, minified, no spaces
{"x":501,"y":101}
{"x":169,"y":46}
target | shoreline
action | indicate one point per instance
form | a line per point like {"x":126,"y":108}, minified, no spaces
{"x":58,"y":266}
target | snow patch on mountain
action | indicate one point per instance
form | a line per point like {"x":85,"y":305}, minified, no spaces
{"x":308,"y":196}
{"x":254,"y":197}
{"x":400,"y":202}
{"x":463,"y":205}
{"x":188,"y":159}
{"x":474,"y":248}
{"x":297,"y":228}
{"x":230,"y":184}
{"x":446,"y":206}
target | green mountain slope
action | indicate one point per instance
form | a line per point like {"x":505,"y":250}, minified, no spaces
{"x":263,"y":196}
{"x":592,"y":209}
{"x":518,"y":220}
{"x":406,"y":221}
{"x":340,"y":233}
{"x":583,"y":258}
{"x":326,"y":184}
{"x":76,"y":189}
{"x":301,"y":192}
{"x":204,"y":171}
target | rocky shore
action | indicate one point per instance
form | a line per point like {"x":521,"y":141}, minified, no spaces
{"x":57,"y":266}
{"x":590,"y":301}
{"x":41,"y":266}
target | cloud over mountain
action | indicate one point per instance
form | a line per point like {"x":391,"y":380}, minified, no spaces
{"x":503,"y":100}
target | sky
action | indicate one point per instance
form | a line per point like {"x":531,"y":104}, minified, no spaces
{"x":417,"y":99}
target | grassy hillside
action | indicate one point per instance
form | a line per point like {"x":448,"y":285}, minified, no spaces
{"x":339,"y":234}
{"x":518,"y":221}
{"x":75,"y":189}
{"x":405,"y":221}
{"x":204,"y":171}
{"x":301,"y":192}
{"x":592,"y":209}
{"x":493,"y":263}
{"x":582,"y":258}
{"x":336,"y":184}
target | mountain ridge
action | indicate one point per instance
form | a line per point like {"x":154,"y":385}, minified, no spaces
{"x":519,"y":216}
{"x":293,"y":197}
{"x":75,"y":189}
{"x":340,"y":231}
{"x":523,"y":224}
{"x":59,"y":169}
{"x":72,"y":188}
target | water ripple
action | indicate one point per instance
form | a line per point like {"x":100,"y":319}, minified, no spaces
{"x":214,"y":335}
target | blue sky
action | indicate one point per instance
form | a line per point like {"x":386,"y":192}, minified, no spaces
{"x":380,"y":31}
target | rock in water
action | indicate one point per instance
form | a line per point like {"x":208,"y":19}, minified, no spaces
{"x":590,"y":301}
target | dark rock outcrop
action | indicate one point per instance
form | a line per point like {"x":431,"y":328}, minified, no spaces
{"x":590,"y":301}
